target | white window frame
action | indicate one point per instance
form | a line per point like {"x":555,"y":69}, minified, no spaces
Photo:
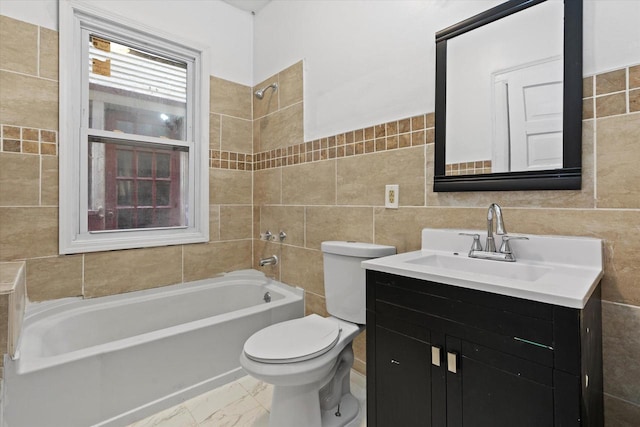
{"x":74,"y":237}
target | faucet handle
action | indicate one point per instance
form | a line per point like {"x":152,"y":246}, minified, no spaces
{"x":475,"y":246}
{"x":505,"y":248}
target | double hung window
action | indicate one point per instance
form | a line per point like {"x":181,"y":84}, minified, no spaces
{"x":134,"y":135}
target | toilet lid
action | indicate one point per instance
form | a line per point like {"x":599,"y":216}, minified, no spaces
{"x":293,"y":341}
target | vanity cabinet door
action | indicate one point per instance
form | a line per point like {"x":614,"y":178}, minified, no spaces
{"x":403,"y":380}
{"x":495,"y":389}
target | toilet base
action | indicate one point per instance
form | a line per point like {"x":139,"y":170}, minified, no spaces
{"x":349,"y":410}
{"x":295,"y":406}
{"x":303,"y":401}
{"x":310,"y":405}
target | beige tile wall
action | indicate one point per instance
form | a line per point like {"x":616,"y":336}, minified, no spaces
{"x":277,"y":118}
{"x":29,"y":184}
{"x":315,"y":193}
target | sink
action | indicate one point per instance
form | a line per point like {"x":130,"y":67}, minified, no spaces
{"x":560,"y":270}
{"x":507,"y":270}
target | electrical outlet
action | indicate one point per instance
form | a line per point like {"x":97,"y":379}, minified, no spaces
{"x":391,"y":196}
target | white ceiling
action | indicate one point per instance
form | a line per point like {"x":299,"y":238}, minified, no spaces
{"x":248,"y":5}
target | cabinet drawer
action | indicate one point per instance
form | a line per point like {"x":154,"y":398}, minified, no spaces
{"x":400,"y":325}
{"x":467,"y":311}
{"x":534,"y":309}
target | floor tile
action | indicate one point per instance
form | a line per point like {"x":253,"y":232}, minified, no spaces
{"x":259,"y":390}
{"x":243,"y":403}
{"x":178,"y":416}
{"x":243,"y":412}
{"x":203,"y":406}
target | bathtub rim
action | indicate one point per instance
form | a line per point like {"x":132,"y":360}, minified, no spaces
{"x":29,"y":363}
{"x":36,"y":309}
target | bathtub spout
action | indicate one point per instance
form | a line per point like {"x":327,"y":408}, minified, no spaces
{"x":272,"y":260}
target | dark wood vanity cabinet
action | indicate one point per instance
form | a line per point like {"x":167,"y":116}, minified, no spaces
{"x":440,"y":355}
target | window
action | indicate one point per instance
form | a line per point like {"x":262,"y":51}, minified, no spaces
{"x":134,"y":135}
{"x":134,"y":187}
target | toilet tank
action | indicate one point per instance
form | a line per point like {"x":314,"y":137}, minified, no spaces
{"x":344,"y":278}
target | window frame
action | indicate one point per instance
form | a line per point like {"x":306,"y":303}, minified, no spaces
{"x":75,"y":19}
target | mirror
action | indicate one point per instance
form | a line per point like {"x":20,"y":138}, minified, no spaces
{"x":509,"y":99}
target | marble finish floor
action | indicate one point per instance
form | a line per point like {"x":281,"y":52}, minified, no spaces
{"x":243,"y":403}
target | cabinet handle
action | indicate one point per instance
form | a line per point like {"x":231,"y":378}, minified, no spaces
{"x":435,"y":355}
{"x":452,"y":362}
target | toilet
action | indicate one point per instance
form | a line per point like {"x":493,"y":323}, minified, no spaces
{"x":309,"y":360}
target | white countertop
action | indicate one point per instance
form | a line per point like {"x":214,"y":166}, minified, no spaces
{"x":558,"y":270}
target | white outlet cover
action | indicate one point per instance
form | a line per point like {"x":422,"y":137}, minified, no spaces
{"x":391,"y":196}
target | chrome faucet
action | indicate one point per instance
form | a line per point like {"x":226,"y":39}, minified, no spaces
{"x":272,"y":260}
{"x":494,"y":209}
{"x":505,"y":253}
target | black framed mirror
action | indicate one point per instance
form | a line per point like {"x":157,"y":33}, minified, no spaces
{"x":509,"y":105}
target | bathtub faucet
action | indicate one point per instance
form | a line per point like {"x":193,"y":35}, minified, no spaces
{"x":272,"y":260}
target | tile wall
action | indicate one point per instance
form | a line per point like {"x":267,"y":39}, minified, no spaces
{"x":313,"y":195}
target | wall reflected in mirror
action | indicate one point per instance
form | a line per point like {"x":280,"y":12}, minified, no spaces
{"x":504,"y":94}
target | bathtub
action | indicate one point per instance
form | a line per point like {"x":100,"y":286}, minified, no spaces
{"x":112,"y":360}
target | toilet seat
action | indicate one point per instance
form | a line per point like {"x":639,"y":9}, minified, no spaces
{"x":294,"y":340}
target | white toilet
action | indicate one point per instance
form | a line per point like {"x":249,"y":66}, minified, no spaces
{"x":309,"y":360}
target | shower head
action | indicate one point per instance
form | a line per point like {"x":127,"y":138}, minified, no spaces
{"x":260,"y":92}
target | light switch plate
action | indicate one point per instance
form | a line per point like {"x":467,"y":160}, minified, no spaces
{"x":391,"y":196}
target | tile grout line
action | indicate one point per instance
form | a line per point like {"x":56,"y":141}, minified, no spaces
{"x":594,"y":133}
{"x":38,"y":34}
{"x":40,"y":181}
{"x":426,"y":175}
{"x":27,"y":75}
{"x":628,"y":89}
{"x":82,"y":288}
{"x":335,"y":182}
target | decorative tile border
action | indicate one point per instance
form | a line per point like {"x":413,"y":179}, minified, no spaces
{"x":408,"y":132}
{"x":26,"y":140}
{"x":230,"y":160}
{"x":468,"y":168}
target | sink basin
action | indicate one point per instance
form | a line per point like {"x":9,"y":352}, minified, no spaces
{"x":507,"y":270}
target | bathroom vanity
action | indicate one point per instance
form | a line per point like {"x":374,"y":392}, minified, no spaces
{"x":455,"y":341}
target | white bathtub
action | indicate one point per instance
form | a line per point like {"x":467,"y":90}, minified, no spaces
{"x":112,"y":360}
